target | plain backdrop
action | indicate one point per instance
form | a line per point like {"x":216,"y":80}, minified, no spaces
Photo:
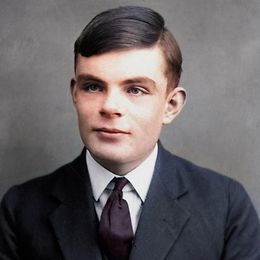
{"x":218,"y":128}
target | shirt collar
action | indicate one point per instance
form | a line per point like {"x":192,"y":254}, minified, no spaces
{"x":140,"y":178}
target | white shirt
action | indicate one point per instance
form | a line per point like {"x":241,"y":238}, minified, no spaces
{"x":134,"y":192}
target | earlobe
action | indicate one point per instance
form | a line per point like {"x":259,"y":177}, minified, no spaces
{"x":175,"y":102}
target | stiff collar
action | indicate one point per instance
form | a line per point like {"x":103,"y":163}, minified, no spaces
{"x":139,"y":178}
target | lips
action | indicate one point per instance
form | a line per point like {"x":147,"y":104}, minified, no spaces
{"x":111,"y":130}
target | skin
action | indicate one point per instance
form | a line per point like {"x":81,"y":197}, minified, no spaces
{"x":122,"y":102}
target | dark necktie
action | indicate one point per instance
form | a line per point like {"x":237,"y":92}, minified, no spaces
{"x":115,"y":228}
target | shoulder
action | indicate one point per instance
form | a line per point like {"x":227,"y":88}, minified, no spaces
{"x":192,"y":174}
{"x":40,"y":190}
{"x":204,"y":186}
{"x":34,"y":189}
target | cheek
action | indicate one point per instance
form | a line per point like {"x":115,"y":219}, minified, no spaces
{"x":150,"y":120}
{"x":84,"y":118}
{"x":85,"y":109}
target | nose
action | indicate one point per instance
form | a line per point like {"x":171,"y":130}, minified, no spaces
{"x":112,"y":104}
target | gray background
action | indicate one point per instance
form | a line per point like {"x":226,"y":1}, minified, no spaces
{"x":218,"y":128}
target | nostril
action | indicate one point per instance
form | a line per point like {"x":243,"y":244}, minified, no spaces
{"x":110,"y":113}
{"x":111,"y":109}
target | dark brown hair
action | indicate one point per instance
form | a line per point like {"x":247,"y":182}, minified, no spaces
{"x":130,"y":27}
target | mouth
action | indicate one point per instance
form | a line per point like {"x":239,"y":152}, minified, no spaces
{"x":110,"y":130}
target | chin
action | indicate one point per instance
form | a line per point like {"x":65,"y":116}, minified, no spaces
{"x":111,"y":158}
{"x":106,"y":155}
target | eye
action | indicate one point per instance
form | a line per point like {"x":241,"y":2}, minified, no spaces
{"x":92,"y":87}
{"x":137,"y":90}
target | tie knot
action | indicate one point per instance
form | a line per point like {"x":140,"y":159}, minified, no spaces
{"x":120,"y":183}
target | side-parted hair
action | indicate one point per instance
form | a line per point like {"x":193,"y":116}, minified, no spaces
{"x":130,"y":27}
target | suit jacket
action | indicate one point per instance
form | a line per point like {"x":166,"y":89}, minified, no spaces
{"x":190,"y":213}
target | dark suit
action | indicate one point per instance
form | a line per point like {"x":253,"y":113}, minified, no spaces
{"x":190,"y":213}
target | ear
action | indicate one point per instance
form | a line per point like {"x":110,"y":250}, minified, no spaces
{"x":174,"y":103}
{"x":73,"y":90}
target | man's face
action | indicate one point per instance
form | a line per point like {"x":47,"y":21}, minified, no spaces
{"x":122,"y":102}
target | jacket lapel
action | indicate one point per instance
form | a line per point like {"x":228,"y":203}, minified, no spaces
{"x":74,"y":221}
{"x":163,"y":218}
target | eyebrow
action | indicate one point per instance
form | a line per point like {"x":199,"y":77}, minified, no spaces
{"x":84,"y":77}
{"x":140,"y":80}
{"x":134,"y":80}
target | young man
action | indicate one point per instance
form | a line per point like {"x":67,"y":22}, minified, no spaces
{"x":127,"y":69}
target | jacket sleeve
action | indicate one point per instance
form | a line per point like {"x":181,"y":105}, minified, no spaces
{"x":8,"y":229}
{"x":242,"y":234}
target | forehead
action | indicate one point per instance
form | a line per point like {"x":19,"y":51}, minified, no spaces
{"x":122,"y":65}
